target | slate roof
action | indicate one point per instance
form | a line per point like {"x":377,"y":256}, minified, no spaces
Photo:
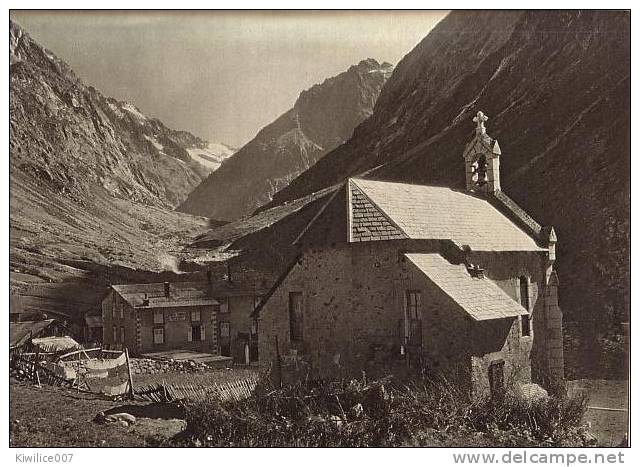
{"x":520,"y":215}
{"x":185,"y":293}
{"x":437,"y":213}
{"x":232,"y":231}
{"x":367,"y":222}
{"x":181,"y":294}
{"x":480,"y":298}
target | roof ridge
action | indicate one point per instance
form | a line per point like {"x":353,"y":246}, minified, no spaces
{"x":517,"y":212}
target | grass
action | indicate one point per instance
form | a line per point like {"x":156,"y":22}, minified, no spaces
{"x":312,"y":415}
{"x":359,"y":414}
{"x":55,"y":417}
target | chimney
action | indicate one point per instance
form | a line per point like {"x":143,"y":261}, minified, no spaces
{"x":167,"y":293}
{"x":475,"y":271}
{"x":482,"y":159}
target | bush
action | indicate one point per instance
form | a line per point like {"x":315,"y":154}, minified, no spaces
{"x":359,"y":413}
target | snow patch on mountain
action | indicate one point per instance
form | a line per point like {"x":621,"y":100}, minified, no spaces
{"x":133,"y":110}
{"x":212,"y":155}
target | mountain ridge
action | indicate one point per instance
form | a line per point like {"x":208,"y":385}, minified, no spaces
{"x":556,"y":87}
{"x":69,"y":134}
{"x":322,"y":118}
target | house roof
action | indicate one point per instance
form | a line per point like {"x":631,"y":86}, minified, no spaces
{"x":232,"y":231}
{"x":480,"y":298}
{"x":180,"y":294}
{"x":184,"y":293}
{"x":22,"y":331}
{"x":433,"y":213}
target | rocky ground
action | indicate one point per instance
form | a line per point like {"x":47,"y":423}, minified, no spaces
{"x":65,"y":418}
{"x":64,"y":253}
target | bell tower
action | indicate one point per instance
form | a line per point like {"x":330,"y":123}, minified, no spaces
{"x":482,"y":159}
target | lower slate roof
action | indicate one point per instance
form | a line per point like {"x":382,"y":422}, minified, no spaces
{"x":22,"y":331}
{"x":437,"y":213}
{"x":180,"y":294}
{"x":480,"y":298}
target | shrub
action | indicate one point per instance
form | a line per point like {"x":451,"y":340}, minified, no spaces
{"x":359,"y":413}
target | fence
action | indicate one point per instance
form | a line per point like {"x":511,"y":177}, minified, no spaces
{"x":108,"y":372}
{"x":231,"y":391}
{"x":97,"y":370}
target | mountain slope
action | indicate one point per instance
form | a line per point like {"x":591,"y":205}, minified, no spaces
{"x":92,"y":181}
{"x":556,"y":86}
{"x":70,"y":136}
{"x":322,"y":118}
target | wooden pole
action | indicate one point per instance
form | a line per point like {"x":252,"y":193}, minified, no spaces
{"x":278,"y":364}
{"x":126,"y":354}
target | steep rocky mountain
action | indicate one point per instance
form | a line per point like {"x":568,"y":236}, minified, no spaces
{"x":70,"y":136}
{"x":556,"y":87}
{"x":92,"y":183}
{"x":322,"y":118}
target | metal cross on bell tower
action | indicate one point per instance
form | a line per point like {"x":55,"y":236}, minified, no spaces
{"x":480,"y":118}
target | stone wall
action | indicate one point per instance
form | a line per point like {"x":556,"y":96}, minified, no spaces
{"x":353,"y":306}
{"x":154,"y":366}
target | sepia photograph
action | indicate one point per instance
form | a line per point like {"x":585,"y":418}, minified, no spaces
{"x":320,"y":228}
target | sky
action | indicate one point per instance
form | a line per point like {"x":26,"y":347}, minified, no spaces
{"x":221,"y":75}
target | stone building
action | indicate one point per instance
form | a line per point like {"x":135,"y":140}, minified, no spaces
{"x":162,"y":316}
{"x":394,"y":276}
{"x":210,"y":317}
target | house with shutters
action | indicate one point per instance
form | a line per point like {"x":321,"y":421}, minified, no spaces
{"x":206,"y":316}
{"x":448,"y":281}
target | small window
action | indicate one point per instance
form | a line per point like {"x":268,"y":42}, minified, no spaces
{"x":122,"y":334}
{"x":158,"y":317}
{"x":121,"y":310}
{"x":195,"y":316}
{"x":115,"y":334}
{"x":225,"y":329}
{"x":224,"y":305}
{"x":158,"y":335}
{"x":525,"y":325}
{"x":295,"y":316}
{"x":254,"y":328}
{"x":524,"y":292}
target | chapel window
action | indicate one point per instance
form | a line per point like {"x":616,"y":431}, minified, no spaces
{"x":295,"y":316}
{"x":525,"y":320}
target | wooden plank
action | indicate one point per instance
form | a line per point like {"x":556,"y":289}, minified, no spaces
{"x":606,"y":408}
{"x":131,"y":391}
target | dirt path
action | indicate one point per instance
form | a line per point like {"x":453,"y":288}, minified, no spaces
{"x":609,"y":426}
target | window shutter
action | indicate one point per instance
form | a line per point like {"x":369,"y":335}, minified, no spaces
{"x":190,"y":334}
{"x":202,"y":335}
